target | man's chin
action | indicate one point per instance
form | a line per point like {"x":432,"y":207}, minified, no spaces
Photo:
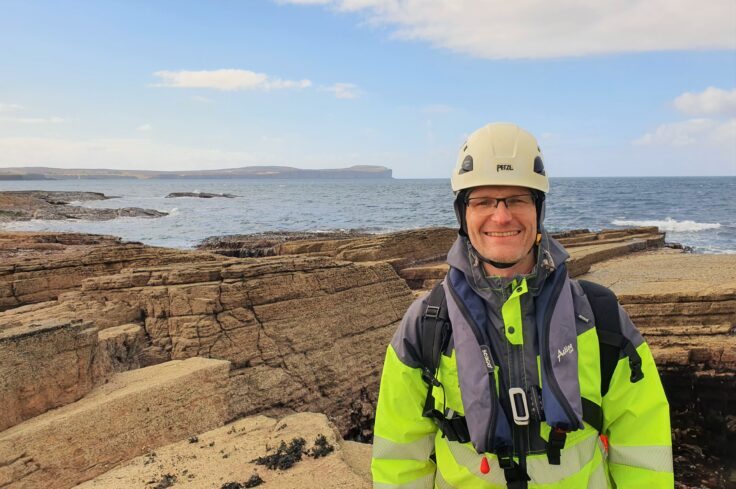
{"x":497,"y":258}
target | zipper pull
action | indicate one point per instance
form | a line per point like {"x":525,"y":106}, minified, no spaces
{"x":484,"y":466}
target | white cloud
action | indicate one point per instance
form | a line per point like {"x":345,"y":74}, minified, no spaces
{"x":712,"y":101}
{"x":344,"y":90}
{"x":9,"y":107}
{"x":145,"y":127}
{"x":226,"y":80}
{"x":691,"y":132}
{"x":543,"y":29}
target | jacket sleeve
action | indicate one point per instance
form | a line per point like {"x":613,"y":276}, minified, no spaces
{"x":403,"y":439}
{"x":636,"y":419}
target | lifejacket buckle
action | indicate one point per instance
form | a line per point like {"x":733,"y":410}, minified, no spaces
{"x":521,"y":419}
{"x":432,"y":312}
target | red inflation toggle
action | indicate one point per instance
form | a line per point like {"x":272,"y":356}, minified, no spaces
{"x":604,"y":440}
{"x":484,"y":467}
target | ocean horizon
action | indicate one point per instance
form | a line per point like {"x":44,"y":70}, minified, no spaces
{"x":698,"y":212}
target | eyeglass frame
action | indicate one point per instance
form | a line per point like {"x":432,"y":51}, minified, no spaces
{"x":501,"y":199}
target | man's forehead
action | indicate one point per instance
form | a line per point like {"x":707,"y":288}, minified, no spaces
{"x":499,"y":191}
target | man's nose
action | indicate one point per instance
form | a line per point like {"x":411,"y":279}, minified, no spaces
{"x":501,"y":214}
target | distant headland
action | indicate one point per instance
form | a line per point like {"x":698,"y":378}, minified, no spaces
{"x":44,"y":173}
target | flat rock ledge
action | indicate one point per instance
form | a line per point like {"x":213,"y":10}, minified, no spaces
{"x":47,"y":205}
{"x":227,"y":455}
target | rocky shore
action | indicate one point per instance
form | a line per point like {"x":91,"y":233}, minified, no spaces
{"x":24,"y":205}
{"x":123,"y":365}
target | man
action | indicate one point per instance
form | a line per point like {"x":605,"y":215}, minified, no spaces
{"x":541,"y":382}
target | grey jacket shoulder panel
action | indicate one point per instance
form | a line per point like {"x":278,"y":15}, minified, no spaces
{"x":407,"y":338}
{"x":582,"y":308}
{"x":406,"y":341}
{"x":628,"y":329}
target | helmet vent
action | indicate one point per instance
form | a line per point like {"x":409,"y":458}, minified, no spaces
{"x":467,"y":165}
{"x":539,"y":166}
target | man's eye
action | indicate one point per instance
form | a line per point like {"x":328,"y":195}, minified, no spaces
{"x":483,"y":203}
{"x":514,"y":201}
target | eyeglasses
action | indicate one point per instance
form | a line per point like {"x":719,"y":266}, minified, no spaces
{"x":486,"y":206}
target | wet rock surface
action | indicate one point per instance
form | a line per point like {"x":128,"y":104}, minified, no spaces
{"x":48,"y":205}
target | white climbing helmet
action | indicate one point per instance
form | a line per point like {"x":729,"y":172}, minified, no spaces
{"x":500,"y":154}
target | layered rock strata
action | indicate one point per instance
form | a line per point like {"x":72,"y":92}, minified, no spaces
{"x":37,"y":267}
{"x":47,"y":366}
{"x":300,"y":331}
{"x":685,"y":306}
{"x":36,"y":204}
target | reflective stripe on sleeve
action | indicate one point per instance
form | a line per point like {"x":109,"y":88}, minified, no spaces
{"x":420,"y":449}
{"x":652,"y":457}
{"x":426,"y":482}
{"x":440,"y":481}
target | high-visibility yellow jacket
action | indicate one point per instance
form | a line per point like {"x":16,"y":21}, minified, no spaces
{"x":410,"y":452}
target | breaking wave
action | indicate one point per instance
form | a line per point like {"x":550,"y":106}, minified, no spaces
{"x":670,"y":225}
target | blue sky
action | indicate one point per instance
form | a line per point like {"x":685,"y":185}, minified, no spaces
{"x":618,"y":88}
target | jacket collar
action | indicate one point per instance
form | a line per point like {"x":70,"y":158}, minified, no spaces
{"x":550,"y":255}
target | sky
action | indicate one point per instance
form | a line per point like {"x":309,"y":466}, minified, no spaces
{"x":615,"y":88}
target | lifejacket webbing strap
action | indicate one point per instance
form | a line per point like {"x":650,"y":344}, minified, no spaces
{"x":556,"y":443}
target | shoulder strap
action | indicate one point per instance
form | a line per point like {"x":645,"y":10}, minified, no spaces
{"x":435,"y":336}
{"x":435,"y":330}
{"x":608,"y":327}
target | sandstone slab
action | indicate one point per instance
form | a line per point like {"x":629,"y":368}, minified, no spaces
{"x":227,"y":454}
{"x":134,"y":413}
{"x":43,"y":367}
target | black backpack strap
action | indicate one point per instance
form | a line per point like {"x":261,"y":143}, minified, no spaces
{"x":435,"y":336}
{"x":608,"y":327}
{"x":435,"y":325}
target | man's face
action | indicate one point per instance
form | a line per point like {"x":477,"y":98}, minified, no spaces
{"x":502,"y":234}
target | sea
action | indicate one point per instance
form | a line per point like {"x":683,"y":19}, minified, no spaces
{"x":697,"y":212}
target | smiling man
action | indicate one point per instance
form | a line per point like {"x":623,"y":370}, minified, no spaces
{"x":509,"y":373}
